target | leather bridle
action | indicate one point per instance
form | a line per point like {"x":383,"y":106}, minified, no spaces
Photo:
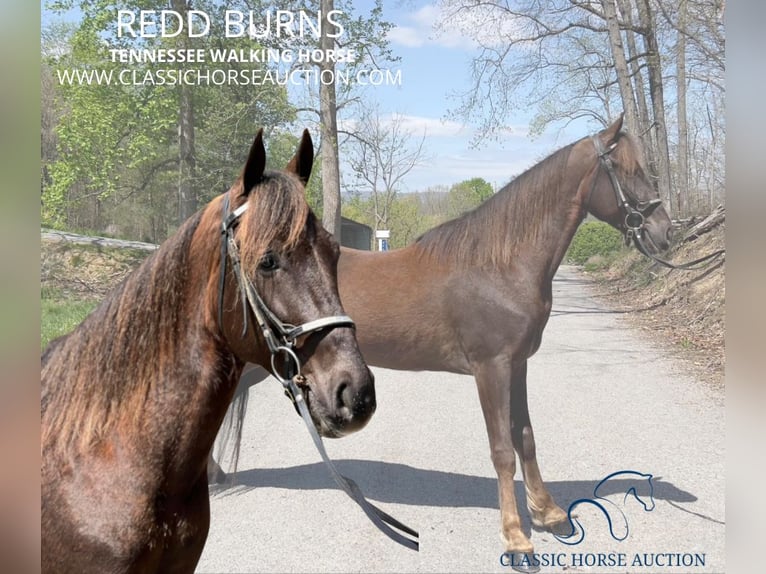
{"x":280,"y":338}
{"x":636,"y":215}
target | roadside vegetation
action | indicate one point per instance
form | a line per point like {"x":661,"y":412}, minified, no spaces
{"x":60,"y":314}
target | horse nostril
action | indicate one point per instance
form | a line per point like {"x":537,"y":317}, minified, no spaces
{"x":359,"y":403}
{"x":343,"y":396}
{"x":366,"y":403}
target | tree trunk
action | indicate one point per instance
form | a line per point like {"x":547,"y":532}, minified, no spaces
{"x":187,"y":197}
{"x":682,"y":185}
{"x":644,"y":119}
{"x":620,"y":65}
{"x":654,"y":68}
{"x":329,"y":131}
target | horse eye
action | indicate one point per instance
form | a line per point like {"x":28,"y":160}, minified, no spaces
{"x":268,"y":263}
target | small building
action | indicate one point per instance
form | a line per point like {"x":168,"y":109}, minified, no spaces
{"x":355,"y":235}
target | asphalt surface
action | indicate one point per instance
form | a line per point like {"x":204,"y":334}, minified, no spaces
{"x":603,"y":398}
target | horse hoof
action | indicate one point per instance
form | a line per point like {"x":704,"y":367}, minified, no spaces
{"x":521,"y":562}
{"x":561,"y":529}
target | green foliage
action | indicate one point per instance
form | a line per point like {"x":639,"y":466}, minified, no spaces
{"x":594,"y":238}
{"x":468,"y":194}
{"x":412,"y":214}
{"x":281,"y":147}
{"x":59,"y":316}
{"x":116,"y":162}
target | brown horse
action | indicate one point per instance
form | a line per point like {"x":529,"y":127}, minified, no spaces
{"x":133,"y":398}
{"x":473,"y":295}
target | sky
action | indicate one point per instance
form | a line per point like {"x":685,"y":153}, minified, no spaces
{"x":433,"y":66}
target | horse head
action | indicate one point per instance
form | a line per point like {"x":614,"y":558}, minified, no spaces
{"x":623,"y":195}
{"x":288,"y":277}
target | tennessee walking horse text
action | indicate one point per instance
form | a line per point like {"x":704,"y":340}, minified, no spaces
{"x":473,"y":295}
{"x":133,"y":398}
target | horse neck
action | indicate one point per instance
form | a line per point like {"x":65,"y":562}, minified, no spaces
{"x":550,"y":225}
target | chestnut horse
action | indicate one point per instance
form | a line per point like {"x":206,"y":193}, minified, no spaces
{"x":473,"y":295}
{"x":133,"y":398}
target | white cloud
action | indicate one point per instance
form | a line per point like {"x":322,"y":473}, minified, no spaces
{"x":432,"y":127}
{"x":417,"y":125}
{"x":426,"y":28}
{"x":405,"y":36}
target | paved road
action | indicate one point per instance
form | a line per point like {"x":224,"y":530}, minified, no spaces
{"x":603,"y":398}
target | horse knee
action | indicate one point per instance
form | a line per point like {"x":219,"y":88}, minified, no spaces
{"x":504,"y":460}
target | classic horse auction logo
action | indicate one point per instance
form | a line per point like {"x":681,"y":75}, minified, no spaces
{"x":639,"y":487}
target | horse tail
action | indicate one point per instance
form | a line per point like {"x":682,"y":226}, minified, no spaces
{"x":229,"y":440}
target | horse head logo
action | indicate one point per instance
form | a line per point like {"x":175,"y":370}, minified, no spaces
{"x":640,"y":487}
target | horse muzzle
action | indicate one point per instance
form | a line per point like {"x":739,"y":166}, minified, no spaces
{"x":343,"y":409}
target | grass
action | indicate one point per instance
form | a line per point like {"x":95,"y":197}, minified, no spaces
{"x":58,"y":316}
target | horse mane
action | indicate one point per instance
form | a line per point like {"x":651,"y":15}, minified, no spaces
{"x":141,"y":339}
{"x":276,"y":218}
{"x":628,"y":155}
{"x":491,"y":233}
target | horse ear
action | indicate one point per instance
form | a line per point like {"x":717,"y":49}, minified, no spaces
{"x":303,"y":160}
{"x":609,"y":135}
{"x":256,"y":163}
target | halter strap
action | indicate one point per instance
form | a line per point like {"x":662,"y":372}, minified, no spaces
{"x":286,"y":334}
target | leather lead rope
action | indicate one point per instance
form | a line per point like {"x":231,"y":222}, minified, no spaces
{"x":699,"y":263}
{"x":386,"y":523}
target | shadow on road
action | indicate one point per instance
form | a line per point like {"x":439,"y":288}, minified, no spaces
{"x":403,"y":484}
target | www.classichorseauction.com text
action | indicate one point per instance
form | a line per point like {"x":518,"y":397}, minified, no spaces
{"x":198,"y":66}
{"x":605,"y":560}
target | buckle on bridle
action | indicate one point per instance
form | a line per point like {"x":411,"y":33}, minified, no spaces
{"x":634,"y":220}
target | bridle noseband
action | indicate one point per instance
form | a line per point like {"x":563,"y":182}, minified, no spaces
{"x":280,"y":337}
{"x":636,"y":216}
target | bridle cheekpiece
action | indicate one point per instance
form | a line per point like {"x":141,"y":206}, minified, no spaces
{"x":635,"y":216}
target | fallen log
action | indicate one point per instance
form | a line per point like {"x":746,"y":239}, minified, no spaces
{"x":708,"y":224}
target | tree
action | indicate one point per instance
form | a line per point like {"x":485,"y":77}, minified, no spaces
{"x":365,"y":36}
{"x":187,"y":160}
{"x":620,"y":65}
{"x":122,"y":148}
{"x":657,"y":96}
{"x":682,"y":182}
{"x":574,"y":59}
{"x":467,"y":195}
{"x":328,"y":113}
{"x":381,"y":153}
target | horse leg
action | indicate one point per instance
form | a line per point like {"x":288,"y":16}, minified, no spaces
{"x":543,"y":511}
{"x":493,"y":383}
